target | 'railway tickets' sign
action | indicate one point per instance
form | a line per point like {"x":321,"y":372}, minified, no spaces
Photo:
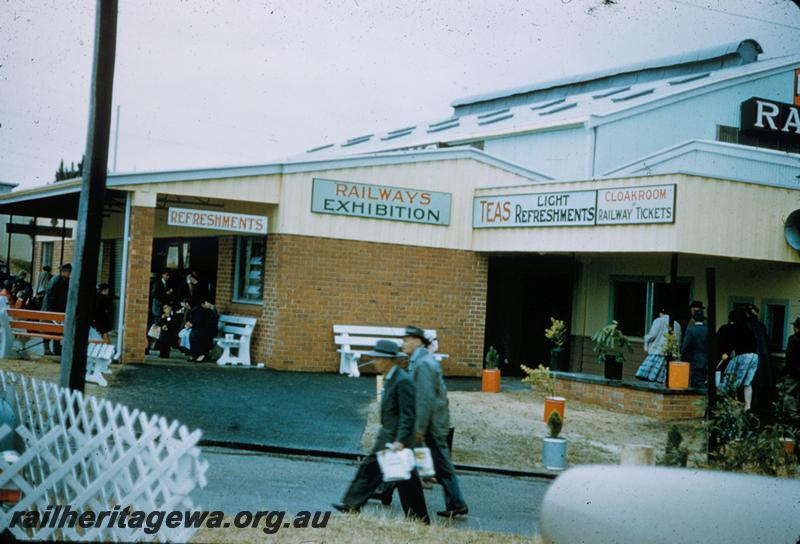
{"x":636,"y":205}
{"x":205,"y":219}
{"x":380,"y":202}
{"x":617,"y":206}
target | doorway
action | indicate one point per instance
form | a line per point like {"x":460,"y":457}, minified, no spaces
{"x":524,"y":292}
{"x":184,"y":255}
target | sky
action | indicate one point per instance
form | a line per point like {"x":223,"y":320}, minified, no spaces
{"x":214,"y":83}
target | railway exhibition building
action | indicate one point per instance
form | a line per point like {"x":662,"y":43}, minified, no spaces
{"x":565,"y":199}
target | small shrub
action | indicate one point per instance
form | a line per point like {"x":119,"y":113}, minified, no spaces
{"x":675,"y":453}
{"x":540,"y":379}
{"x":491,"y":358}
{"x":554,"y":424}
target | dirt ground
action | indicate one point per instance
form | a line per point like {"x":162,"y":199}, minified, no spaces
{"x":506,"y":429}
{"x":352,"y":529}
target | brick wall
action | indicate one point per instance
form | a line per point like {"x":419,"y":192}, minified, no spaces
{"x":137,"y":292}
{"x":69,"y":248}
{"x":313,"y":283}
{"x":224,"y":293}
{"x":665,"y":405}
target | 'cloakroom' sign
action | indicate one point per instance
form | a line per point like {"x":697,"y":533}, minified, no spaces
{"x":617,"y":206}
{"x":380,"y":202}
{"x":205,"y":219}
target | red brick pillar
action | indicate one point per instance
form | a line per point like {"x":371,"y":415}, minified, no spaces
{"x":137,"y":289}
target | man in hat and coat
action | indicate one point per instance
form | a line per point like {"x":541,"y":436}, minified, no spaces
{"x":695,"y":349}
{"x":433,"y":419}
{"x":55,"y":299}
{"x":398,"y":415}
{"x":764,"y":381}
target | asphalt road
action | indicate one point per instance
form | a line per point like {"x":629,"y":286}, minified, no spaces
{"x":253,"y":481}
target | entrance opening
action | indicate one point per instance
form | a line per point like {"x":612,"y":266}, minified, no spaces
{"x":524,"y":293}
{"x":184,"y":255}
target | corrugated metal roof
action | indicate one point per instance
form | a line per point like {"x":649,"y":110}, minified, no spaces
{"x":708,"y":53}
{"x":576,"y":109}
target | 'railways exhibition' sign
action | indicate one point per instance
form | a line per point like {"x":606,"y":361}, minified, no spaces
{"x":380,"y":202}
{"x":204,"y":219}
{"x":619,"y":206}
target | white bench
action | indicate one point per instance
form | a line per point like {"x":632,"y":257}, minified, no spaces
{"x":354,"y":340}
{"x":234,"y":334}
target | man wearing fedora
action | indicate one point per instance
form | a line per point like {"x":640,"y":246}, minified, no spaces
{"x":398,"y":415}
{"x":433,"y":418}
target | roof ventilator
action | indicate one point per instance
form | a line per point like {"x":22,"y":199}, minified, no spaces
{"x":637,"y":94}
{"x":683,"y":80}
{"x":558,"y":109}
{"x":548,"y":104}
{"x":355,"y":141}
{"x":320,"y":148}
{"x":611,"y":92}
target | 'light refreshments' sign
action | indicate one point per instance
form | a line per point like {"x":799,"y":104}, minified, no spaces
{"x":380,"y":202}
{"x":636,"y":205}
{"x":762,"y":115}
{"x":618,"y":206}
{"x":566,"y":209}
{"x":204,"y":219}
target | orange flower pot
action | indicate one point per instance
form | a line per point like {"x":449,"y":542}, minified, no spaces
{"x":678,"y":375}
{"x":554,"y":404}
{"x":788,"y":445}
{"x":490,"y":382}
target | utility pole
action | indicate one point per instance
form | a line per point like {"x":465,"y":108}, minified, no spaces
{"x":90,"y":211}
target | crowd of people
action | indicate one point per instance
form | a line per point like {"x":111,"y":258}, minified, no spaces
{"x":742,"y":356}
{"x":182,"y":316}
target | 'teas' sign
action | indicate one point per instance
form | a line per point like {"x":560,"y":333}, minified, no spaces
{"x":762,"y":115}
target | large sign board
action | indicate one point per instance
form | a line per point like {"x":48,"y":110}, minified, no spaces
{"x":380,"y":202}
{"x":653,"y":204}
{"x":206,"y":219}
{"x":763,"y":115}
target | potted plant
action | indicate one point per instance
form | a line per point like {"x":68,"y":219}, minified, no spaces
{"x":609,"y":343}
{"x":541,"y":379}
{"x":490,"y":382}
{"x":557,"y":335}
{"x":678,"y":371}
{"x":554,"y":450}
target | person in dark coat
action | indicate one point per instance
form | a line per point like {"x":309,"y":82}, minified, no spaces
{"x":764,"y":380}
{"x":160,"y":294}
{"x":169,"y":322}
{"x":738,"y":350}
{"x":398,"y":421}
{"x":55,"y":299}
{"x":103,"y":311}
{"x":203,"y":318}
{"x":21,"y":284}
{"x":791,"y":375}
{"x":695,"y":349}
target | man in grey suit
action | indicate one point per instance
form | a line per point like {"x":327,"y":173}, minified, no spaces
{"x":433,"y":419}
{"x":398,"y":411}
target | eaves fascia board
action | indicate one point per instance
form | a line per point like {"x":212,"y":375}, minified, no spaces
{"x":146,"y":178}
{"x":598,"y":119}
{"x":401,"y":157}
{"x":723,"y":149}
{"x":53,"y":189}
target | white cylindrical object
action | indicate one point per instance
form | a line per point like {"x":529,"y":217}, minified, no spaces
{"x":637,"y":454}
{"x":601,"y":504}
{"x":378,"y":386}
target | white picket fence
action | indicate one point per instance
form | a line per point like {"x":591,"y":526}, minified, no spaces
{"x":92,"y":454}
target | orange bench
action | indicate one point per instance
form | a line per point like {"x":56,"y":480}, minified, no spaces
{"x":26,"y":324}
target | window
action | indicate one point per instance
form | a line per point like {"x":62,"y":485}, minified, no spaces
{"x":635,"y":302}
{"x":249,"y":273}
{"x":774,"y":315}
{"x":47,"y":254}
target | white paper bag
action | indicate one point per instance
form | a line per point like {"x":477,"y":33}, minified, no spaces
{"x":184,"y":336}
{"x":396,"y":465}
{"x":424,"y":462}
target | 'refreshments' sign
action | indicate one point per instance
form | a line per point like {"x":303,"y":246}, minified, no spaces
{"x":618,"y":206}
{"x":205,"y":219}
{"x":779,"y":118}
{"x":380,"y":202}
